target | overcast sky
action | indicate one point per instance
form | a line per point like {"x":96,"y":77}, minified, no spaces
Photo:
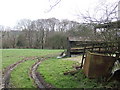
{"x":12,"y":11}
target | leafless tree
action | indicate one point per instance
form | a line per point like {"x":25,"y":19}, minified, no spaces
{"x":25,"y":25}
{"x":104,"y":14}
{"x":41,"y":33}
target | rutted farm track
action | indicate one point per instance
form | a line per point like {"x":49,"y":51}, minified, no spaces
{"x":37,"y":78}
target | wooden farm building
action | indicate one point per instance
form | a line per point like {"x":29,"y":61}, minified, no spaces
{"x":102,"y":51}
{"x":77,"y":45}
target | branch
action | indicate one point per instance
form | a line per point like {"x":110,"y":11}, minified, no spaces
{"x":52,"y":6}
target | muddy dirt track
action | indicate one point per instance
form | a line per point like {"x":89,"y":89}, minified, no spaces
{"x":38,"y":80}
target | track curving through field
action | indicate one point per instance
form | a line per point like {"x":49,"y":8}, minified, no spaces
{"x":9,"y":69}
{"x":37,"y":78}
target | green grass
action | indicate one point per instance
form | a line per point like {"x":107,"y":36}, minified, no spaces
{"x":10,"y":56}
{"x":52,"y":71}
{"x":20,"y":75}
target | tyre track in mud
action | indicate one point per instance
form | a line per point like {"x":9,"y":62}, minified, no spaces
{"x":38,"y":79}
{"x":8,"y":70}
{"x":33,"y":75}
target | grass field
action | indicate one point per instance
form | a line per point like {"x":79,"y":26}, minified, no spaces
{"x":53,"y":72}
{"x":51,"y":69}
{"x":10,"y":56}
{"x":20,"y":75}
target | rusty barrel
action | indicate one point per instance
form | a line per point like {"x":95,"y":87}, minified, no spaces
{"x":98,"y":65}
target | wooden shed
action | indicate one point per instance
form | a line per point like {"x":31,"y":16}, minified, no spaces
{"x":78,"y":45}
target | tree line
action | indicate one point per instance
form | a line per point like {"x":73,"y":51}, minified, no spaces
{"x":52,"y":33}
{"x":44,"y":33}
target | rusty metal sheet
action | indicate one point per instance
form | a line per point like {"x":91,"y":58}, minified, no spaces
{"x":97,"y":65}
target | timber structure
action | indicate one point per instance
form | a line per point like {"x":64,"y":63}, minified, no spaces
{"x":79,"y":45}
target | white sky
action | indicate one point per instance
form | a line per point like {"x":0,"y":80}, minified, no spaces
{"x":12,"y":11}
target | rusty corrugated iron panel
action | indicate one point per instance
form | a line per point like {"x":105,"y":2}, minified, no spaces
{"x":97,"y":65}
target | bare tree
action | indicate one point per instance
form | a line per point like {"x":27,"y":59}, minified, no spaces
{"x":25,"y":25}
{"x":104,"y":14}
{"x":42,"y":33}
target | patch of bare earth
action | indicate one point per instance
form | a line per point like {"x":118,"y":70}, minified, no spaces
{"x":77,"y":58}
